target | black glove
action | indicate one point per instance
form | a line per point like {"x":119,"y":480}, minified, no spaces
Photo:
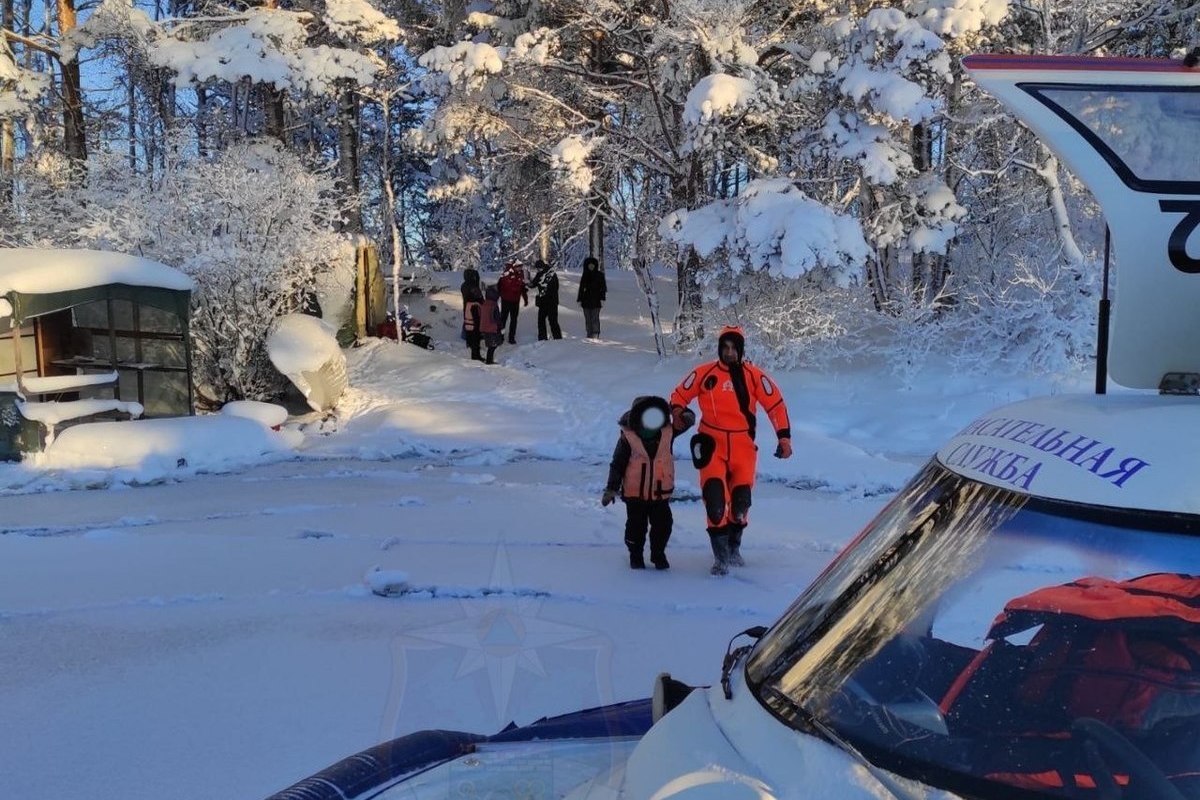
{"x":608,"y":497}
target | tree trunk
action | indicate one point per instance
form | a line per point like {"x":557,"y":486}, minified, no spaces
{"x":389,"y":202}
{"x":689,"y":321}
{"x":348,"y":178}
{"x":922,"y":266}
{"x":74,"y":136}
{"x":274,"y":114}
{"x":131,"y":113}
{"x":641,"y":269}
{"x":202,"y":121}
{"x":1048,"y":172}
{"x":951,"y":173}
{"x":8,"y":140}
{"x":877,"y":277}
{"x":596,"y":227}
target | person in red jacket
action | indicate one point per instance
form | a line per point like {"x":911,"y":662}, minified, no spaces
{"x":729,"y":392}
{"x":512,"y":291}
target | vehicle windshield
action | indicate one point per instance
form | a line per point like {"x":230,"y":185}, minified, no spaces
{"x":1001,"y":646}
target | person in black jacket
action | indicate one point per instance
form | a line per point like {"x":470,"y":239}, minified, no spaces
{"x":593,"y":290}
{"x":469,"y":288}
{"x":472,"y":319}
{"x":545,"y":281}
{"x":643,"y":471}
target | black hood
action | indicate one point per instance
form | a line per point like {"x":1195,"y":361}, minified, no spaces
{"x":739,"y":343}
{"x":632,"y":419}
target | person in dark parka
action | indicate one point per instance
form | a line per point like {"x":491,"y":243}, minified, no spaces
{"x":643,"y":471}
{"x":472,"y":317}
{"x":593,"y":290}
{"x":545,"y":281}
{"x":469,"y":288}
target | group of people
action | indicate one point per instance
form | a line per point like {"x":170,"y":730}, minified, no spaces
{"x":488,"y":310}
{"x":729,"y":392}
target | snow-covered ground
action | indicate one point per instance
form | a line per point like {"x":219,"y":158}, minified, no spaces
{"x":168,"y":632}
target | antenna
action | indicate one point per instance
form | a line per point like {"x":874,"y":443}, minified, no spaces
{"x":1102,"y":323}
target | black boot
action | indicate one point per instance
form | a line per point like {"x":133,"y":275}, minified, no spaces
{"x":735,"y":545}
{"x":720,"y":548}
{"x":636,"y":560}
{"x":660,"y":534}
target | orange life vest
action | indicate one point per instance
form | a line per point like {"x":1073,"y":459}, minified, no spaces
{"x":646,"y":478}
{"x":468,"y":317}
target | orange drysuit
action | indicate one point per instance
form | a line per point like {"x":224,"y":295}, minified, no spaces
{"x":723,"y":448}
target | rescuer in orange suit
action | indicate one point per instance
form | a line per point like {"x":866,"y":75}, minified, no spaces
{"x":729,"y":392}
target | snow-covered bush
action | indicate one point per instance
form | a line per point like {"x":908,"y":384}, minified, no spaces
{"x":253,"y":227}
{"x":19,"y":88}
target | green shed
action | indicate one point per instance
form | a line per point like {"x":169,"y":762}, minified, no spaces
{"x":90,"y":332}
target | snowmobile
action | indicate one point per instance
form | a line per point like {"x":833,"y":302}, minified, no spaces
{"x":406,"y":329}
{"x":1021,"y":621}
{"x":416,"y":333}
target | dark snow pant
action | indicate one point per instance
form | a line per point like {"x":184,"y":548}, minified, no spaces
{"x":509,"y":310}
{"x":548,"y":315}
{"x":653,"y":513}
{"x":591,"y":318}
{"x":473,"y":338}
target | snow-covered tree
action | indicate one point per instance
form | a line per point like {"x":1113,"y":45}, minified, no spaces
{"x":253,"y":227}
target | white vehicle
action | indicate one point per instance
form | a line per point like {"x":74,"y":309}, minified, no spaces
{"x":1022,"y":620}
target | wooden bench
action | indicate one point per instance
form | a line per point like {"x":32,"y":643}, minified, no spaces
{"x":51,"y":414}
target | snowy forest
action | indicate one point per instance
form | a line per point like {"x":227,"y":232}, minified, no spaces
{"x":820,"y":171}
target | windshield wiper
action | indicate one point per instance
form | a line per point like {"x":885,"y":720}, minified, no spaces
{"x":733,"y":656}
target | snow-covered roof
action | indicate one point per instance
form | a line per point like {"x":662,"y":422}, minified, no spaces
{"x":45,"y":271}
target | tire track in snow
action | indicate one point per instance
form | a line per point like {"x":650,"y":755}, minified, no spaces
{"x":426,"y":593}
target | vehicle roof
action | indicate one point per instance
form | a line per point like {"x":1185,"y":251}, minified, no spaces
{"x":1133,"y":451}
{"x":1128,"y":129}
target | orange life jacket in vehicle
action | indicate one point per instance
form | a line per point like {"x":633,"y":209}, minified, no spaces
{"x":649,"y":478}
{"x":1126,"y":653}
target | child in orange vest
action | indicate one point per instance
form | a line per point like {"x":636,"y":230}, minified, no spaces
{"x":643,"y":471}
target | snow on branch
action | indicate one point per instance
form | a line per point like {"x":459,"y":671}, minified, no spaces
{"x":720,"y":102}
{"x":266,"y":46}
{"x":112,"y":19}
{"x":957,"y":18}
{"x":882,"y":160}
{"x":466,"y":63}
{"x":19,"y":88}
{"x":774,"y":227}
{"x":570,"y":157}
{"x":716,"y":96}
{"x":359,"y":21}
{"x":536,"y":47}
